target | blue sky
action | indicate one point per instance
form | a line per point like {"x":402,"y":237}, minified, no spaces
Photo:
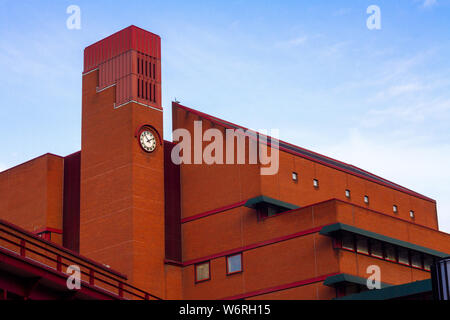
{"x":378,"y":99}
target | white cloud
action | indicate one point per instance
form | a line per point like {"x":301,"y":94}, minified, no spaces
{"x":407,"y":113}
{"x":415,"y":166}
{"x":397,"y":90}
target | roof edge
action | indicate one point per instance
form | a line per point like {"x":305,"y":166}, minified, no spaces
{"x":394,"y":185}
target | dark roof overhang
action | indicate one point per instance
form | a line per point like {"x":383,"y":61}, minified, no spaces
{"x":393,"y":292}
{"x":260,"y":201}
{"x":332,"y":230}
{"x":344,"y":278}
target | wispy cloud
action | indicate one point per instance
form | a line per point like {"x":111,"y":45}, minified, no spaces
{"x":289,"y":44}
{"x":342,"y":12}
{"x":429,"y":3}
{"x":396,"y":161}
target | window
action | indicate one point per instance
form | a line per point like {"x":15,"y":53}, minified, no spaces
{"x":376,"y":248}
{"x":416,"y":260}
{"x":389,"y":253}
{"x":395,"y":209}
{"x":234,"y":264}
{"x":427,"y":262}
{"x":362,"y":246}
{"x":316,"y":183}
{"x":403,"y":256}
{"x":348,"y":242}
{"x":366,"y":199}
{"x":412,"y":214}
{"x":202,"y":272}
{"x":383,"y":250}
{"x":347,"y":193}
{"x":295,"y":176}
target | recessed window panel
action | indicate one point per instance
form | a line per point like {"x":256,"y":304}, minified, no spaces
{"x":427,"y":262}
{"x":389,"y":252}
{"x":295,"y":176}
{"x":403,"y":256}
{"x":376,"y":248}
{"x":202,"y":271}
{"x":362,"y":245}
{"x":316,"y":183}
{"x":366,"y":199}
{"x":348,"y":241}
{"x":234,"y":263}
{"x":347,"y":193}
{"x":395,"y":208}
{"x":412,"y":214}
{"x":416,"y":260}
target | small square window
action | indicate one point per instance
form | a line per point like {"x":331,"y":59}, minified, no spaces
{"x":202,"y":272}
{"x":412,"y":214}
{"x":234,"y":264}
{"x":347,"y":193}
{"x":395,"y":208}
{"x":366,"y":199}
{"x":295,"y":176}
{"x":316,"y":183}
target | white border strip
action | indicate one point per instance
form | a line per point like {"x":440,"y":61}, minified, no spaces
{"x":103,"y":89}
{"x":134,"y":101}
{"x":90,"y":71}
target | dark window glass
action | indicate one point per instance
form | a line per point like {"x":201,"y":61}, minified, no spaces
{"x":427,"y":262}
{"x":362,"y":245}
{"x":416,"y":259}
{"x":403,"y":256}
{"x":376,"y":248}
{"x":348,"y":241}
{"x":389,"y":252}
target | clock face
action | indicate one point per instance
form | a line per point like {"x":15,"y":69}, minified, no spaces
{"x":148,"y":141}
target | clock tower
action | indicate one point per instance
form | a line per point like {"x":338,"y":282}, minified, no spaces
{"x":122,"y":158}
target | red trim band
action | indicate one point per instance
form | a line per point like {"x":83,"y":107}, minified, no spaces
{"x":253,"y":246}
{"x":361,"y":207}
{"x":280,"y":287}
{"x":235,"y":205}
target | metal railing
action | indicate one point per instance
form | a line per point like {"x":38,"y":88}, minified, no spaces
{"x":36,"y":249}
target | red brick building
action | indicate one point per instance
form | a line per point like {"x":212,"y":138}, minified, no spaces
{"x":142,"y":227}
